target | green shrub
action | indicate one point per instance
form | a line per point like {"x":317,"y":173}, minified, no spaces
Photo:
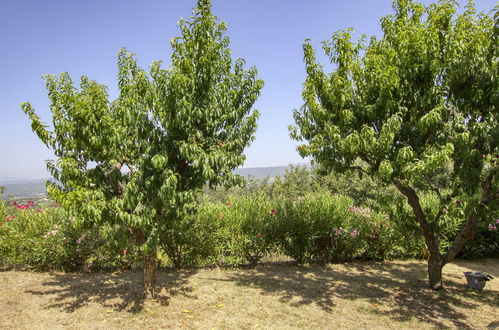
{"x":485,"y":242}
{"x":236,"y":232}
{"x":108,"y":247}
{"x":187,"y":242}
{"x":323,"y":228}
{"x":38,"y":238}
{"x":316,"y":227}
{"x":47,"y":239}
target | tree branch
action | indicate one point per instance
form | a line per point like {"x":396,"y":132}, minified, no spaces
{"x":413,"y":200}
{"x":489,"y":195}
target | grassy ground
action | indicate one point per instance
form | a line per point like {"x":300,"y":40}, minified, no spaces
{"x":353,"y":295}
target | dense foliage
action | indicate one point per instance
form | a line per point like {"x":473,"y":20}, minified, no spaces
{"x":45,"y":237}
{"x":262,"y":222}
{"x":406,"y":107}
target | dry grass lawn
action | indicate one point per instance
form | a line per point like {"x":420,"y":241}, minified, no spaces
{"x":352,"y":295}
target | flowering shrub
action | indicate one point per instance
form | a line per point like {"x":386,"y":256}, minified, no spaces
{"x":236,"y":232}
{"x":39,"y":240}
{"x":45,"y":238}
{"x":107,"y":247}
{"x":187,"y":242}
{"x":327,"y":227}
{"x":315,"y":227}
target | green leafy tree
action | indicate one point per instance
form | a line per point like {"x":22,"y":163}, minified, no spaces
{"x":418,"y":101}
{"x":297,"y":180}
{"x":138,"y":161}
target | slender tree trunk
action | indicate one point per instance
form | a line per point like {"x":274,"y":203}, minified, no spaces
{"x":150,"y":261}
{"x":435,"y":260}
{"x":489,"y":195}
{"x":435,"y":265}
{"x":149,"y":267}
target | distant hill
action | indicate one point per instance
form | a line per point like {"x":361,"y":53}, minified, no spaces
{"x":23,"y":187}
{"x":36,"y":187}
{"x":261,"y":172}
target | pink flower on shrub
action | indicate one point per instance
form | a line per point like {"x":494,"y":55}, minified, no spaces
{"x":11,"y":218}
{"x":273,"y":211}
{"x":229,"y":204}
{"x":364,"y":211}
{"x":259,"y":235}
{"x":354,"y":233}
{"x":338,"y":231}
{"x":497,"y":221}
{"x":38,"y":210}
{"x":492,"y":227}
{"x":14,"y":203}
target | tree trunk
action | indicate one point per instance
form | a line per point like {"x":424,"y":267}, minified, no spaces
{"x":435,"y":265}
{"x":150,"y":262}
{"x":436,"y":260}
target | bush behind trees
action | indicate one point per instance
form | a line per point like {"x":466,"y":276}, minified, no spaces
{"x":46,"y":237}
{"x":314,"y":227}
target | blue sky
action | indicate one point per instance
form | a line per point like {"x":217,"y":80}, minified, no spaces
{"x":83,"y":37}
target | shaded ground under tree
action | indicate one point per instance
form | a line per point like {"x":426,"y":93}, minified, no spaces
{"x":351,"y":295}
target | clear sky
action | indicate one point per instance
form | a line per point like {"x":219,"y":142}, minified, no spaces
{"x":83,"y":37}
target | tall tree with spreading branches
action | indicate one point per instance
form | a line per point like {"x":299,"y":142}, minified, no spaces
{"x":139,"y":161}
{"x":418,"y":100}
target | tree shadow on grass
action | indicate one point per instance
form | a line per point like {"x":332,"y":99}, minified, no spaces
{"x":116,"y":291}
{"x":398,"y":291}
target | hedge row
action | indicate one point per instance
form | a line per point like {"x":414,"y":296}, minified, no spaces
{"x":316,"y":227}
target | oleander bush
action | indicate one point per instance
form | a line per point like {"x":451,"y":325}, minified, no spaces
{"x":485,"y":242}
{"x":38,"y":238}
{"x":239,"y":227}
{"x":236,"y":232}
{"x":316,"y":227}
{"x":326,"y":227}
{"x":45,"y":237}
